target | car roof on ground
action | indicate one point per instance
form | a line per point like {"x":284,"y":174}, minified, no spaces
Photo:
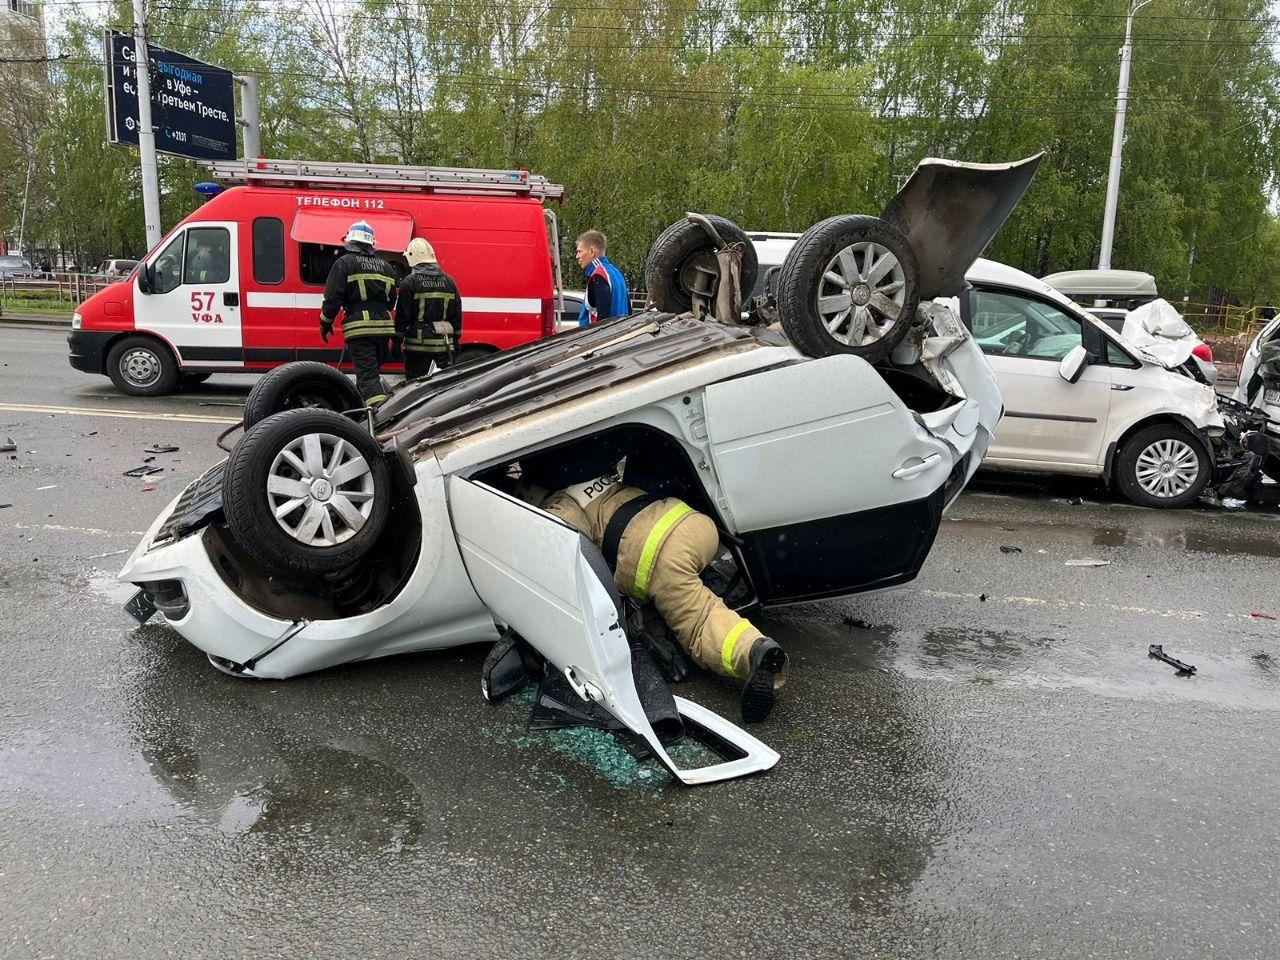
{"x":1104,"y":284}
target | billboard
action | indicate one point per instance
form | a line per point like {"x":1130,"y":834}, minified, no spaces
{"x":193,"y":107}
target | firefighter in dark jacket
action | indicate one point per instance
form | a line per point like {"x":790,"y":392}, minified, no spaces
{"x":363,"y":286}
{"x":428,"y":312}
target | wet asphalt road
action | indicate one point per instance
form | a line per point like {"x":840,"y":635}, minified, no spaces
{"x":960,"y":778}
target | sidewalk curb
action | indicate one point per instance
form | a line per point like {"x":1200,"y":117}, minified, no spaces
{"x":32,"y":320}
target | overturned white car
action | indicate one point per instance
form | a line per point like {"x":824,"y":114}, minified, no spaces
{"x":325,"y":539}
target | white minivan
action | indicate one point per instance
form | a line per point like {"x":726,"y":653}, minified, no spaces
{"x":1078,"y":399}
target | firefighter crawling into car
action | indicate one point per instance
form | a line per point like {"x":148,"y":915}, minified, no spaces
{"x":657,"y":548}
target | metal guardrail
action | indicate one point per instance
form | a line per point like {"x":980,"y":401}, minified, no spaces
{"x":58,"y":288}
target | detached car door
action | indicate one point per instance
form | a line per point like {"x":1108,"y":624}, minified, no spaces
{"x":831,"y":483}
{"x":552,"y":586}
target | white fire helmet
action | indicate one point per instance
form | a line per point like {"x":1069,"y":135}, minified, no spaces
{"x":420,"y":251}
{"x":359,"y":232}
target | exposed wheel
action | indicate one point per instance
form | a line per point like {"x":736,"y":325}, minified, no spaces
{"x":304,"y":383}
{"x":192,"y":379}
{"x":672,"y":265}
{"x":1163,"y":465}
{"x":849,"y":285}
{"x":142,"y":367}
{"x":306,"y":491}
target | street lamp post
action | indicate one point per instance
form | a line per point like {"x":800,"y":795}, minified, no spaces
{"x":1117,"y":140}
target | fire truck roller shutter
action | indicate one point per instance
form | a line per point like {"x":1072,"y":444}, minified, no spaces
{"x":391,"y":228}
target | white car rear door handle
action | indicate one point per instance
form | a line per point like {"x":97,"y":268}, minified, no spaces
{"x":906,"y":473}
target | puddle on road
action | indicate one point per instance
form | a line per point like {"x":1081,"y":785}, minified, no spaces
{"x":1152,"y":534}
{"x":1247,"y":677}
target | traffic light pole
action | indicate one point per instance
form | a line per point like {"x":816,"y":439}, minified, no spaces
{"x":146,"y":132}
{"x":249,"y":117}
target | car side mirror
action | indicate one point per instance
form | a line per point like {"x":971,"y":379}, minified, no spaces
{"x":146,"y":278}
{"x":1073,"y":364}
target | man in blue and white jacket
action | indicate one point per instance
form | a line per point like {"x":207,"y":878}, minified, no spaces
{"x":606,"y":289}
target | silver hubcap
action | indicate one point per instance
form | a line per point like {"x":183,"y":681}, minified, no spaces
{"x":141,"y":366}
{"x":861,"y":293}
{"x":1167,"y":468}
{"x":320,"y":490}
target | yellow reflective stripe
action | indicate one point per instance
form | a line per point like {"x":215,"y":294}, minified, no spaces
{"x":650,"y":552}
{"x":730,"y":642}
{"x":378,"y":399}
{"x":361,"y":277}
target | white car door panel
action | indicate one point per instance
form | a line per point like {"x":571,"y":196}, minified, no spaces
{"x":550,"y":584}
{"x":1046,"y":418}
{"x":195,"y":304}
{"x":831,"y":437}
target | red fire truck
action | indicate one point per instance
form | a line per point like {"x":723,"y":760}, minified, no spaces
{"x":237,"y":285}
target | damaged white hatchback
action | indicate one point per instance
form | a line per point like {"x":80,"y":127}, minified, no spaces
{"x":327,"y":539}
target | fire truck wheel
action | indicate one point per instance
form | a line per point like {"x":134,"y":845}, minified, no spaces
{"x":676,"y":256}
{"x":304,"y":383}
{"x":306,"y":491}
{"x":142,"y":367}
{"x":849,"y":286}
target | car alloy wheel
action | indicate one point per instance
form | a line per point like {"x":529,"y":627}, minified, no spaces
{"x":862,"y":293}
{"x":141,"y":366}
{"x":1167,"y":468}
{"x":320,"y":490}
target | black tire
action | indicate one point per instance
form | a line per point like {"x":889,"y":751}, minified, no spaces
{"x":301,"y":384}
{"x":1271,"y":468}
{"x":193,"y":379}
{"x":142,"y":367}
{"x":1126,"y":466}
{"x":804,"y":279}
{"x":248,"y":506}
{"x":684,"y":244}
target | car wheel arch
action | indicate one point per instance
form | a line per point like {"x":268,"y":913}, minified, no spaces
{"x":118,"y":335}
{"x":1176,"y":419}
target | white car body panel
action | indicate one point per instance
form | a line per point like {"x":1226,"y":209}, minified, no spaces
{"x":437,"y":607}
{"x":782,"y":422}
{"x":530,"y":569}
{"x":1249,"y":365}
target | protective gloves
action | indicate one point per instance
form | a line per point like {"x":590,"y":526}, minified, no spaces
{"x":326,"y":328}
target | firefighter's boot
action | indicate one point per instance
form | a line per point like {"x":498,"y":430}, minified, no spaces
{"x":768,"y":666}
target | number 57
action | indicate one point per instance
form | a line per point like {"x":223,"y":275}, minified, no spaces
{"x":201,"y":301}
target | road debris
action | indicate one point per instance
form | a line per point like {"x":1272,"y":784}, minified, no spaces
{"x":1261,"y":616}
{"x":47,"y":487}
{"x":4,"y":506}
{"x":109,"y":553}
{"x":982,"y":597}
{"x":1004,"y":549}
{"x":8,"y":445}
{"x":1156,"y":650}
{"x":1088,"y":562}
{"x":143,"y":471}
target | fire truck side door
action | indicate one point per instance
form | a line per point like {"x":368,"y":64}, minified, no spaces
{"x":194,"y":298}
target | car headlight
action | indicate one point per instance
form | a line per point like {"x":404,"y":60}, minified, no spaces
{"x":75,"y":320}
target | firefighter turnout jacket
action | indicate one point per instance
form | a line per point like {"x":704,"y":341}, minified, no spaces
{"x":363,"y":287}
{"x":428,"y":297}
